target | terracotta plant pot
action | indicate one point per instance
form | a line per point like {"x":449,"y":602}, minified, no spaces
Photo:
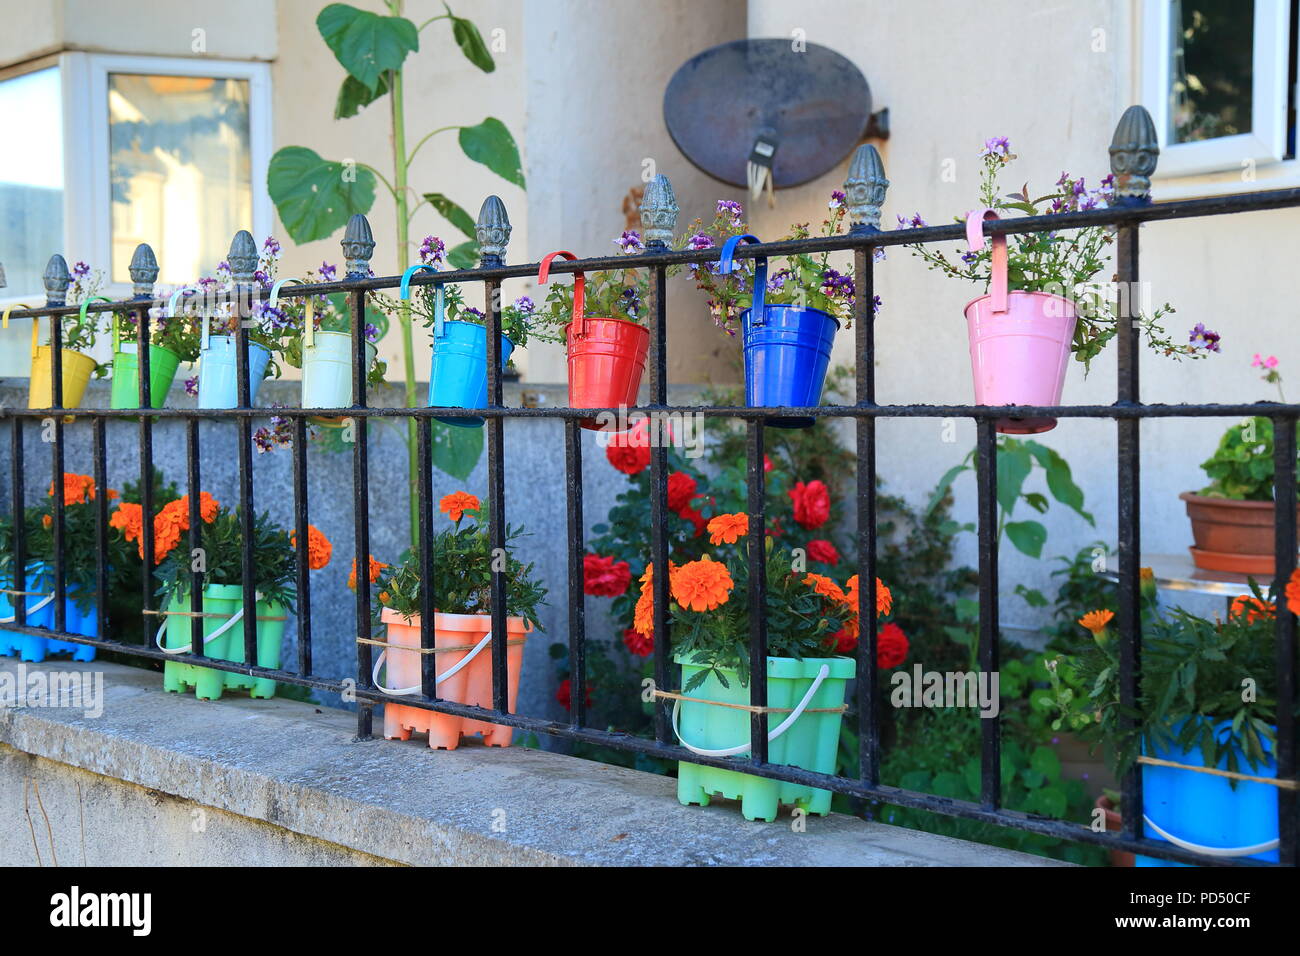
{"x":455,"y":636}
{"x":1113,"y":824}
{"x":1232,"y":535}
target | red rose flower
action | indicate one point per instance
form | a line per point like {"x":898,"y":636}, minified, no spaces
{"x":891,"y":646}
{"x":629,"y":451}
{"x":639,"y":644}
{"x":767,"y":463}
{"x":694,"y":517}
{"x":565,"y":694}
{"x":812,"y":504}
{"x":605,"y":577}
{"x":822,"y":550}
{"x":681,"y":491}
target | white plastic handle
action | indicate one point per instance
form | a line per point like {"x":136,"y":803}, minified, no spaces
{"x":31,"y":610}
{"x":454,"y":669}
{"x":206,"y":640}
{"x":1212,"y":850}
{"x":771,"y":735}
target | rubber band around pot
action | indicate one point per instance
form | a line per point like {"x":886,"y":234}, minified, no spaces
{"x":785,"y":725}
{"x":751,"y":708}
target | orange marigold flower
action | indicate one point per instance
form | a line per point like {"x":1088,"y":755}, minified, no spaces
{"x":47,"y":520}
{"x":1293,"y":592}
{"x":701,"y":585}
{"x":643,"y":616}
{"x":376,"y":567}
{"x":129,"y":519}
{"x":319,"y":549}
{"x":826,"y":587}
{"x":1096,"y":621}
{"x":457,"y":503}
{"x":728,"y":529}
{"x":1252,"y":608}
{"x":77,"y":489}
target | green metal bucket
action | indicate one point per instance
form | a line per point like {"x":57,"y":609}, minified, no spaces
{"x":126,"y":375}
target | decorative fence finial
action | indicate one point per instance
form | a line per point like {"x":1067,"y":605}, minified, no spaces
{"x":57,"y":279}
{"x":144,"y":271}
{"x":658,"y":214}
{"x":358,"y":246}
{"x":492,"y":232}
{"x":1134,"y":150}
{"x":865,"y":189}
{"x":242,"y":257}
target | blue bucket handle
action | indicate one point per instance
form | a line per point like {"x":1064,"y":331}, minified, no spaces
{"x":440,"y":302}
{"x":758,"y":309}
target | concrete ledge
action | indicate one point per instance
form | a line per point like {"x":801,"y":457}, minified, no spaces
{"x":328,"y":798}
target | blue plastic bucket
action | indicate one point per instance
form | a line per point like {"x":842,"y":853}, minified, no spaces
{"x":29,"y":647}
{"x":218,"y":376}
{"x":1205,"y":810}
{"x":787,"y":347}
{"x":458,"y":374}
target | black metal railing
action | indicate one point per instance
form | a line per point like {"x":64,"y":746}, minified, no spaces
{"x":1133,"y":157}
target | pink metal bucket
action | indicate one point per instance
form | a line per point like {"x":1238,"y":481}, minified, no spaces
{"x":1019,"y":341}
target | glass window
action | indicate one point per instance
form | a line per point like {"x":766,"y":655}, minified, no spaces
{"x":179,"y":169}
{"x":1211,"y":69}
{"x":31,"y":179}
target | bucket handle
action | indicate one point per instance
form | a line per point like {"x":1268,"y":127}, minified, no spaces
{"x":785,"y":725}
{"x":230,"y":622}
{"x":449,"y":672}
{"x":440,"y":301}
{"x":309,"y":320}
{"x":975,"y":220}
{"x":758,"y":308}
{"x":31,"y":610}
{"x":81,"y":319}
{"x":1212,"y":850}
{"x":579,"y":316}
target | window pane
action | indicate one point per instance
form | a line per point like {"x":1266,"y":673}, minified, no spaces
{"x":180,"y":170}
{"x":1212,"y":50}
{"x":31,"y":179}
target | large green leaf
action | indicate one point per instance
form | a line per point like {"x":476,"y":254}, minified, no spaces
{"x":453,"y":213}
{"x":1014,"y":465}
{"x":315,"y":197}
{"x":1028,"y":537}
{"x":353,"y":95}
{"x":1060,"y":482}
{"x":471,"y":42}
{"x":464,"y":256}
{"x":456,"y":450}
{"x":491,"y":144}
{"x":366,"y":44}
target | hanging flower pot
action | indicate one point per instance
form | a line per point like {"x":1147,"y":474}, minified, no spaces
{"x":806,"y":706}
{"x":458,"y":369}
{"x":223,"y":640}
{"x":463,"y":648}
{"x":126,"y":375}
{"x":76,"y":367}
{"x":219,"y":370}
{"x":1019,"y":341}
{"x":327,"y":370}
{"x":606,"y":356}
{"x":1205,"y":812}
{"x":39,"y":602}
{"x":787,"y":347}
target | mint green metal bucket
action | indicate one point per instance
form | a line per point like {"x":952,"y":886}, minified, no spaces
{"x":227,"y":602}
{"x":809,"y":740}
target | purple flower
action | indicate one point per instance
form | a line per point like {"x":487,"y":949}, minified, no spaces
{"x":271,"y":247}
{"x":1202,"y":336}
{"x":261,"y":277}
{"x":432,"y":251}
{"x":838,"y":200}
{"x":875,"y":304}
{"x":630,"y":241}
{"x":372,"y":332}
{"x":328,"y":272}
{"x":525,"y":305}
{"x":916,"y":222}
{"x":837,"y":286}
{"x":997,"y":146}
{"x":732,"y":209}
{"x":777,"y":281}
{"x":223,"y":268}
{"x":630,"y":301}
{"x":80,"y":270}
{"x":470,"y":310}
{"x":192,"y":386}
{"x":699,"y":241}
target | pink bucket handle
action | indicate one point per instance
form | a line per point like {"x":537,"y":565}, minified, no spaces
{"x":975,"y":220}
{"x":579,"y":317}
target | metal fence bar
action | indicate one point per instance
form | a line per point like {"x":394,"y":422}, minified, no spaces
{"x":1284,"y":494}
{"x":577,"y":591}
{"x":428,"y":661}
{"x":302,"y":532}
{"x":990,"y":727}
{"x":757,"y":555}
{"x":194,"y":488}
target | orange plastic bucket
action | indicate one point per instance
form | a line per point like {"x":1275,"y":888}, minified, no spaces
{"x":455,"y":637}
{"x":77,"y":369}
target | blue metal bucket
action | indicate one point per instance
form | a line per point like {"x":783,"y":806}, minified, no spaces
{"x":787,"y":347}
{"x":1204,"y":810}
{"x":458,"y":374}
{"x":218,"y":376}
{"x":29,"y":647}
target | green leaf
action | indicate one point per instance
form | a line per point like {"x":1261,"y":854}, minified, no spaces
{"x":456,"y":451}
{"x":1045,"y":761}
{"x":1028,"y":537}
{"x":353,"y":95}
{"x":941,"y":489}
{"x":491,"y":144}
{"x":1014,"y":466}
{"x":315,"y":197}
{"x":1060,"y":482}
{"x":471,"y":42}
{"x":464,"y":256}
{"x":453,"y":213}
{"x":366,"y":44}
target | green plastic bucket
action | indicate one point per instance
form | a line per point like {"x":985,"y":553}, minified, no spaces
{"x":810,"y":740}
{"x":126,"y":375}
{"x":225,"y":600}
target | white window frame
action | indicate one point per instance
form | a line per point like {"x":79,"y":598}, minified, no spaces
{"x":1265,"y":144}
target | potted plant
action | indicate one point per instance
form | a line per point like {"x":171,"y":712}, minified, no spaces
{"x":1206,"y":724}
{"x":172,"y":339}
{"x":606,"y":350}
{"x":1233,"y":517}
{"x":81,"y":614}
{"x":275,"y":568}
{"x":1042,"y":300}
{"x":788,"y":318}
{"x":812,"y":624}
{"x":77,"y":339}
{"x":461,"y":583}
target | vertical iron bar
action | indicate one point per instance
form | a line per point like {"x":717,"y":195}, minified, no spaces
{"x":60,"y":585}
{"x":496,"y":496}
{"x":18,"y":501}
{"x":243,"y":309}
{"x":361,"y":511}
{"x":146,"y":477}
{"x":301,"y":521}
{"x":99,"y":454}
{"x":867,"y":682}
{"x":658,"y":363}
{"x":987,"y":476}
{"x":577,"y":591}
{"x":428,"y":661}
{"x":1284,"y":493}
{"x":757,"y":590}
{"x":194,"y":488}
{"x":1129,"y":518}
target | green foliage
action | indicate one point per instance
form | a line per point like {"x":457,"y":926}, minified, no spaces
{"x":470,"y":42}
{"x":315,"y":197}
{"x":275,"y":561}
{"x":366,"y":44}
{"x":491,"y":144}
{"x":1241,"y":468}
{"x":453,"y":213}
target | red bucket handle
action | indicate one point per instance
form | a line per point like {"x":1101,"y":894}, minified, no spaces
{"x":579,"y":317}
{"x":975,"y":220}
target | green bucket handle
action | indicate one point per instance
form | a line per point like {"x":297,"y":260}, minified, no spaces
{"x":772,"y":734}
{"x":81,"y":316}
